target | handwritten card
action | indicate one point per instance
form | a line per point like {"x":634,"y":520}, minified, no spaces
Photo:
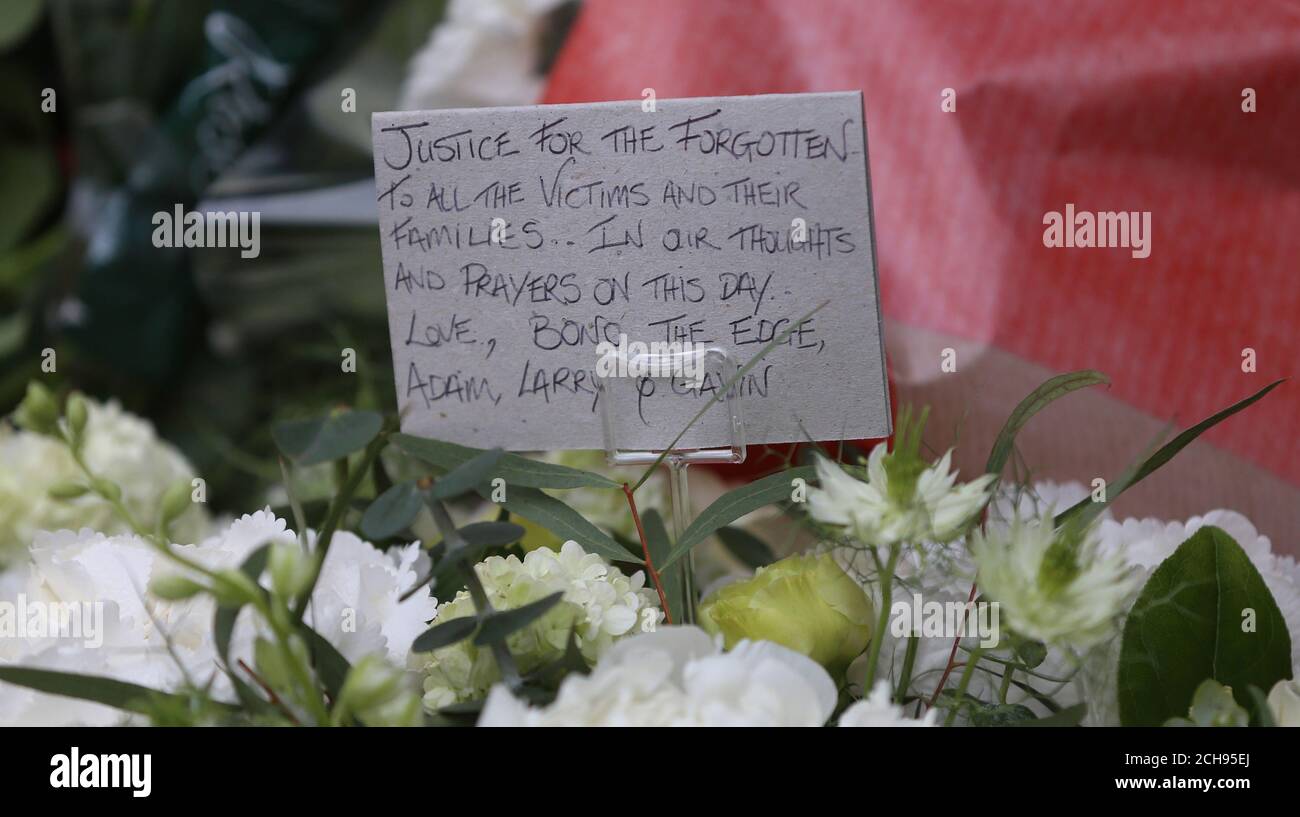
{"x":517,"y":240}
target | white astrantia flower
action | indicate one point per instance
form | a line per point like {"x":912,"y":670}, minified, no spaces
{"x":484,"y":52}
{"x":600,"y":604}
{"x":355,"y":607}
{"x":903,"y":500}
{"x":118,"y":445}
{"x":878,"y":709}
{"x":678,"y":676}
{"x":1053,"y":585}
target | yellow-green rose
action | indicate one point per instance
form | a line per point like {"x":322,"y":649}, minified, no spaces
{"x":806,"y":603}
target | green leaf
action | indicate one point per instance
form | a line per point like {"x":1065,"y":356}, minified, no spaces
{"x":1000,"y":715}
{"x":514,"y":469}
{"x":468,"y":475}
{"x":392,"y":512}
{"x":223,"y":624}
{"x":95,"y":688}
{"x":656,"y":536}
{"x":746,"y":547}
{"x":1053,"y":389}
{"x":1070,"y":716}
{"x":324,"y":439}
{"x":331,"y":667}
{"x":1187,"y":626}
{"x":732,"y":505}
{"x":563,"y":521}
{"x":498,"y":625}
{"x":1090,"y":510}
{"x":492,"y":534}
{"x":445,"y":634}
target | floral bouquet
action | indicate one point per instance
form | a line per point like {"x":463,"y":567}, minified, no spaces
{"x":444,"y":585}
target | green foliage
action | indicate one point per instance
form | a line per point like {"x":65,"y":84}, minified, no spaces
{"x":736,"y":503}
{"x":745,"y":546}
{"x":514,"y":469}
{"x":1190,"y":623}
{"x":1087,"y":510}
{"x":316,"y":440}
{"x":1052,"y":389}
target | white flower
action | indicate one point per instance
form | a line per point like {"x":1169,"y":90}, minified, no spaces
{"x":354,"y":607}
{"x":600,"y":604}
{"x":485,"y":52}
{"x":933,"y":508}
{"x":118,"y":445}
{"x":677,"y":676}
{"x":878,"y":709}
{"x":1054,"y":586}
{"x":1284,"y":702}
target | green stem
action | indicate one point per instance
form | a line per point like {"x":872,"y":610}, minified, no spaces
{"x":909,"y":660}
{"x":966,"y":675}
{"x":334,"y":516}
{"x":882,"y":619}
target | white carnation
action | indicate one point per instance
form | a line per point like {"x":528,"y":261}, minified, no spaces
{"x":600,"y":604}
{"x":355,"y":607}
{"x":119,"y":446}
{"x":678,"y":676}
{"x":878,"y":709}
{"x":485,"y":52}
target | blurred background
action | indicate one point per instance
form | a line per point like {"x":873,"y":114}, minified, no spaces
{"x":111,"y":110}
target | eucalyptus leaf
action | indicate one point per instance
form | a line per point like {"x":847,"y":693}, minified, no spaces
{"x":566,"y":523}
{"x":445,"y":634}
{"x":1051,"y":390}
{"x":392,"y":512}
{"x":492,"y":534}
{"x":468,"y":475}
{"x":324,"y":439}
{"x":734,"y":504}
{"x":1190,"y":623}
{"x":94,"y":688}
{"x":497,"y":625}
{"x":746,"y":547}
{"x":514,"y":469}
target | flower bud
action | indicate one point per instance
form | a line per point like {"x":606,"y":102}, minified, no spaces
{"x":107,"y":489}
{"x":379,"y":695}
{"x":67,"y":490}
{"x":233,"y":588}
{"x":271,"y":666}
{"x":174,"y":587}
{"x":806,"y":603}
{"x":77,"y":414}
{"x":175,"y":501}
{"x":38,"y":412}
{"x":291,"y":570}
